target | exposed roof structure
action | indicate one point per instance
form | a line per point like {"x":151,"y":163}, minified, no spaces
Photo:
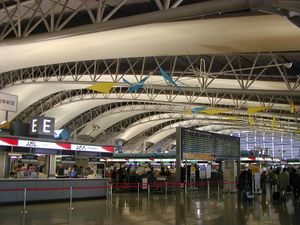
{"x":225,"y":58}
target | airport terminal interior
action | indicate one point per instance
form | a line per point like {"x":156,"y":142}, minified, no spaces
{"x":152,"y":112}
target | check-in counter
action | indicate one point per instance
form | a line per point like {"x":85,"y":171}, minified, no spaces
{"x":12,"y":190}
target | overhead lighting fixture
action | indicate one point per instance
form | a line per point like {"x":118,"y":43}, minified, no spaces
{"x":288,"y":65}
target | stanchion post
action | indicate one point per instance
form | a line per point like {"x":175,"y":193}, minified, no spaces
{"x":208,"y":190}
{"x":24,"y":202}
{"x":148,"y":194}
{"x":71,"y":199}
{"x":107,"y":191}
{"x":166,"y":189}
{"x":218,"y":188}
{"x":138,"y":192}
{"x":111,"y":194}
{"x":185,"y":188}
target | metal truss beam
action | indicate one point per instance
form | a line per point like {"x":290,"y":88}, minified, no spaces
{"x":24,"y":18}
{"x":80,"y":121}
{"x":45,"y":104}
{"x":245,"y":69}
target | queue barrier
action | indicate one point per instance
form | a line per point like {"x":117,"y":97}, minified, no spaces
{"x":110,"y":187}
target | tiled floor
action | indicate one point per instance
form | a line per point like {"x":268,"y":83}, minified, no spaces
{"x":193,"y":208}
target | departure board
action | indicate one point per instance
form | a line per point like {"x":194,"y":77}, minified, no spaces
{"x":195,"y":143}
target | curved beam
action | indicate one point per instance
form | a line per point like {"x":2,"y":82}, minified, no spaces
{"x":108,"y":118}
{"x":183,"y":12}
{"x":28,"y":96}
{"x":209,"y":38}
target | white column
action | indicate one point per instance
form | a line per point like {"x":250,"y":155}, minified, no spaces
{"x":3,"y":164}
{"x":52,"y":165}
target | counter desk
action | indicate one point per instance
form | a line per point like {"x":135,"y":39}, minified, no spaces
{"x":12,"y":190}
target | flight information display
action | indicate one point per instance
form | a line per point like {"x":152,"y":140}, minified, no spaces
{"x":205,"y":145}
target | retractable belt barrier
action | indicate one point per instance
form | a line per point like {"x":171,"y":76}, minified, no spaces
{"x":163,"y":187}
{"x":123,"y":186}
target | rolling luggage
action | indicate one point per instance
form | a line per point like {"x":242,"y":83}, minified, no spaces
{"x":249,"y":196}
{"x":276,"y":196}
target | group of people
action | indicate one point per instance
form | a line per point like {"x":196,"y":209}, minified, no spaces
{"x":120,"y":175}
{"x":73,"y":171}
{"x":280,"y":180}
{"x":284,"y":180}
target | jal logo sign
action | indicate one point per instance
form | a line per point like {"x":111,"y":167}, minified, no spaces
{"x":31,"y":144}
{"x":80,"y":148}
{"x":42,"y":126}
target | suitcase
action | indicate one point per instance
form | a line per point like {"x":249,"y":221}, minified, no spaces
{"x":248,"y":196}
{"x":276,"y":196}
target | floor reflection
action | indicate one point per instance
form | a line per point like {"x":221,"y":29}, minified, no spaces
{"x":193,"y":208}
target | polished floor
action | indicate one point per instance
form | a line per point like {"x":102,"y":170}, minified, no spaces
{"x":126,"y":209}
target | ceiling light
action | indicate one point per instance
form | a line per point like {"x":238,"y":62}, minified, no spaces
{"x":288,"y":65}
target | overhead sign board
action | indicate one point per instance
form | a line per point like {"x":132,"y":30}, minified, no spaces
{"x":42,"y":126}
{"x":54,"y":145}
{"x":196,"y":144}
{"x":198,"y":156}
{"x":8,"y":102}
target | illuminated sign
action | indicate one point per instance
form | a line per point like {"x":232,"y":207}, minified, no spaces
{"x":42,"y":126}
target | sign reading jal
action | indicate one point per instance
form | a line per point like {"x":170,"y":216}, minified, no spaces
{"x":42,"y":126}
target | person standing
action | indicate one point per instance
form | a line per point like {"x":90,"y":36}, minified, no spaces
{"x":297,"y":186}
{"x":114,"y":176}
{"x":283,"y":182}
{"x":263,"y":181}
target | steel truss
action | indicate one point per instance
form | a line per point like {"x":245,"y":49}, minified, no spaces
{"x":45,"y":104}
{"x":22,"y":18}
{"x":204,"y":70}
{"x":247,"y":70}
{"x":111,"y":133}
{"x":80,"y":121}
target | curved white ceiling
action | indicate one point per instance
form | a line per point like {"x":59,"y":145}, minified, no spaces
{"x":148,"y":122}
{"x":106,"y":120}
{"x":222,"y":35}
{"x":65,"y":112}
{"x":168,"y":130}
{"x":154,"y":139}
{"x":30,"y":93}
{"x":138,"y":129}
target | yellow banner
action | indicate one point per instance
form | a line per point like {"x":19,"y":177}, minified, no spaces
{"x":251,"y":121}
{"x":215,"y":111}
{"x":293,"y":108}
{"x":103,"y":87}
{"x":188,"y":112}
{"x":258,"y":109}
{"x":232,"y":118}
{"x":5,"y":125}
{"x":274,"y":122}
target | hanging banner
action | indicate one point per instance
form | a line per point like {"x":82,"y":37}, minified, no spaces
{"x":8,"y":102}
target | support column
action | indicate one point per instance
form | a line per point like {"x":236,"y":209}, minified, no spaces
{"x":229,"y":176}
{"x":51,"y":165}
{"x":3,"y":164}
